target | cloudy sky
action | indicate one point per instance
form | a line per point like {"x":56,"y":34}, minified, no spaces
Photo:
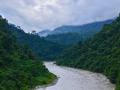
{"x":48,"y":14}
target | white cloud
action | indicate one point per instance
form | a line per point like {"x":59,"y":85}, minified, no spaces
{"x":45,"y":14}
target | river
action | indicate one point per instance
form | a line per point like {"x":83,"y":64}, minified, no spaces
{"x":76,"y":79}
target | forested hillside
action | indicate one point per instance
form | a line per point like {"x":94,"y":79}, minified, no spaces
{"x":20,"y":69}
{"x":99,"y":54}
{"x":67,"y":39}
{"x":45,"y":49}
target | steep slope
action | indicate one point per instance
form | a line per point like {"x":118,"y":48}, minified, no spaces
{"x":41,"y":47}
{"x":99,"y":54}
{"x":19,"y":68}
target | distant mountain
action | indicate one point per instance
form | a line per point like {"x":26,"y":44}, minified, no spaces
{"x":85,"y":28}
{"x":100,"y":54}
{"x":68,"y":35}
{"x":82,"y":29}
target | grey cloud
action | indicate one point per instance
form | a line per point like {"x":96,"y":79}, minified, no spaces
{"x":45,"y":14}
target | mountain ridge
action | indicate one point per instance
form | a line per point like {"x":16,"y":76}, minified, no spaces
{"x":63,"y":29}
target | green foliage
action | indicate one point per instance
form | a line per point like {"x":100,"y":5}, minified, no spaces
{"x":41,"y":47}
{"x":99,"y":54}
{"x":65,"y":38}
{"x":19,"y":68}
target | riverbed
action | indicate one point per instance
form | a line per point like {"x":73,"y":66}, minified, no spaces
{"x":76,"y":79}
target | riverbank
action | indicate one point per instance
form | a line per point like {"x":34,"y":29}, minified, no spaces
{"x":50,"y":81}
{"x":53,"y":82}
{"x":76,"y":79}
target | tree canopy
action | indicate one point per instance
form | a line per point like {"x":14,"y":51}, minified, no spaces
{"x":20,"y":69}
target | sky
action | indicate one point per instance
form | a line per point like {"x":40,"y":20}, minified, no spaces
{"x":48,"y":14}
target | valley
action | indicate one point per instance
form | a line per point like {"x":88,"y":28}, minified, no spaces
{"x":87,"y":57}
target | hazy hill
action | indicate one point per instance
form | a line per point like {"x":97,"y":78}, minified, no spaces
{"x":82,"y":29}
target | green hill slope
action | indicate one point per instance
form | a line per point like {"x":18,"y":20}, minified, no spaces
{"x":67,"y":39}
{"x":99,"y":54}
{"x":45,"y":49}
{"x":19,"y":68}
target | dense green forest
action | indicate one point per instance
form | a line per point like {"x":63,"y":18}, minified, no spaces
{"x":99,"y":54}
{"x":67,"y":39}
{"x":45,"y":49}
{"x":20,"y":69}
